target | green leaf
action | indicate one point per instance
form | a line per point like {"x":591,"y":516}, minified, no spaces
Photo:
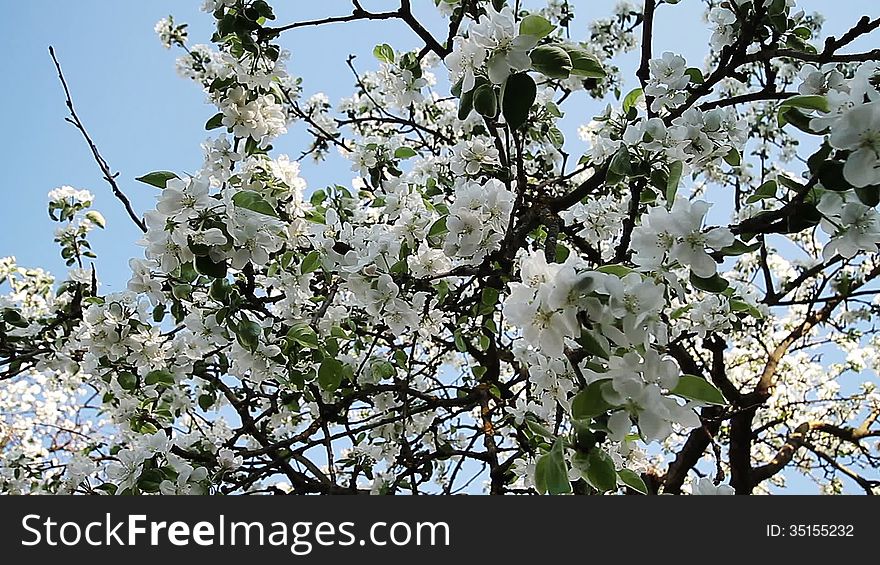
{"x":739,"y":248}
{"x":800,"y":120}
{"x":330,"y":374}
{"x":552,"y":61}
{"x":460,"y":343}
{"x":248,"y":334}
{"x":253,"y":201}
{"x":831,"y":176}
{"x":520,"y":92}
{"x":159,"y":313}
{"x":536,"y":26}
{"x":631,"y":99}
{"x":739,"y":306}
{"x":766,"y":190}
{"x":696,"y":75}
{"x":489,"y":296}
{"x":620,"y":163}
{"x":619,"y":271}
{"x":675,"y":171}
{"x":150,"y":480}
{"x":311,"y":263}
{"x":592,"y":345}
{"x":215,"y":122}
{"x":14,"y":318}
{"x":438,"y":228}
{"x":384,"y":370}
{"x":466,"y":105}
{"x":182,"y":291}
{"x":551,"y":472}
{"x":802,"y":32}
{"x":205,"y":266}
{"x":589,"y":402}
{"x":733,"y":158}
{"x":384,"y":53}
{"x":632,"y":480}
{"x":187,"y":272}
{"x":715,"y":284}
{"x":436,"y":232}
{"x":698,"y":388}
{"x":556,"y":137}
{"x":583,"y":64}
{"x":206,"y":401}
{"x":157,"y":377}
{"x":553,"y":109}
{"x":808,"y":102}
{"x":803,"y":216}
{"x":127,"y":380}
{"x":600,"y":472}
{"x":304,"y":335}
{"x":562,"y":253}
{"x":158,"y":179}
{"x":96,"y":218}
{"x":820,"y":157}
{"x":404,"y":153}
{"x":485,"y":101}
{"x":538,"y":429}
{"x":868,"y":195}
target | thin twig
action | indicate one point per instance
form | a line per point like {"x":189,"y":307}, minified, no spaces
{"x":109,"y":175}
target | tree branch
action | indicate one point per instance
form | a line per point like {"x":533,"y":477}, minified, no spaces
{"x":109,"y":176}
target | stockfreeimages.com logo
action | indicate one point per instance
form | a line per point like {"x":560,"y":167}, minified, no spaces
{"x":300,"y":537}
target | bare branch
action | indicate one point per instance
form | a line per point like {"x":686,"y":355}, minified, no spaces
{"x":109,"y":175}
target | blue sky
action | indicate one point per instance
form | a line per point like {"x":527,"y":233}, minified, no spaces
{"x":143,"y":117}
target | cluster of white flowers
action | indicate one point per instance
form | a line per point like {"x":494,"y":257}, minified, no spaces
{"x":598,"y":221}
{"x":471,"y":156}
{"x":260,"y":118}
{"x":696,"y":138}
{"x":711,"y":314}
{"x":626,"y":311}
{"x":723,"y":19}
{"x":252,"y":94}
{"x":853,"y":117}
{"x":821,"y":80}
{"x":705,"y":487}
{"x":42,"y":415}
{"x":220,"y":160}
{"x":477,"y":220}
{"x":492,"y":48}
{"x":700,"y":137}
{"x":638,"y":383}
{"x":129,"y":465}
{"x":614,"y":34}
{"x":545,"y":304}
{"x":853,"y":227}
{"x":375,"y":250}
{"x":178,"y":228}
{"x":38,"y":412}
{"x":858,"y":131}
{"x":401,"y":87}
{"x":668,"y":81}
{"x":558,"y":11}
{"x":68,"y":194}
{"x":170,"y":34}
{"x":678,"y":236}
{"x":374,"y":153}
{"x":214,"y":5}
